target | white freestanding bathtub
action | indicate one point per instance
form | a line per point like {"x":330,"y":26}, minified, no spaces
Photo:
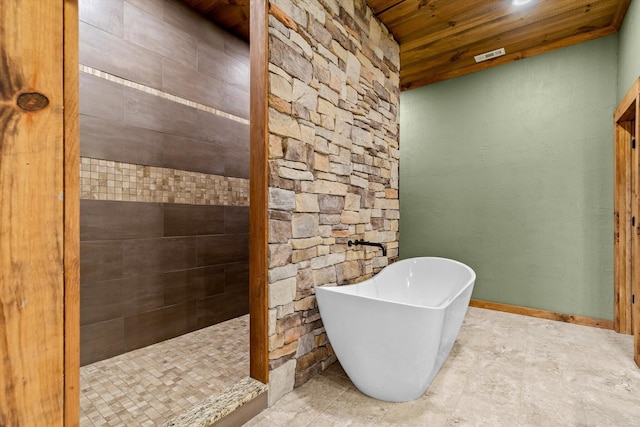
{"x":392,"y":333}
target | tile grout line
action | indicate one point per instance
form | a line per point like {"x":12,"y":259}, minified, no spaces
{"x":152,"y":91}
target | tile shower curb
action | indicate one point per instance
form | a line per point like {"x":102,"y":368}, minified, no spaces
{"x":220,"y":405}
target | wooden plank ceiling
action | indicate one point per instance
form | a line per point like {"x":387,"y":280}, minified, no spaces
{"x":439,"y":38}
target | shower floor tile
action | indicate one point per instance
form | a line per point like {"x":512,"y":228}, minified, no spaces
{"x":151,"y":385}
{"x":504,"y":370}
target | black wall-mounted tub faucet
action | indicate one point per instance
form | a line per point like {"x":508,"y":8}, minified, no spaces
{"x":364,"y":243}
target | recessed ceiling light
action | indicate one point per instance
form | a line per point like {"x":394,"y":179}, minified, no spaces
{"x":520,"y":2}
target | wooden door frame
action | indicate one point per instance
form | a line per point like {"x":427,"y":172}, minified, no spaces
{"x":71,"y":215}
{"x":258,"y":228}
{"x":627,"y":206}
{"x":70,"y":351}
{"x":622,"y":228}
{"x":623,"y":291}
{"x":71,"y":210}
{"x":39,"y":59}
{"x":259,"y":183}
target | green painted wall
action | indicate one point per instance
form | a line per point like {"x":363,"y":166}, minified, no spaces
{"x":510,"y":171}
{"x":629,"y":49}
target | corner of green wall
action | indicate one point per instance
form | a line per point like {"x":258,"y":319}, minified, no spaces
{"x":510,"y":170}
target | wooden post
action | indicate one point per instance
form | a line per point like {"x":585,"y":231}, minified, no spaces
{"x":71,"y":218}
{"x":627,"y":203}
{"x":32,"y":213}
{"x":622,"y":227}
{"x":259,"y":224}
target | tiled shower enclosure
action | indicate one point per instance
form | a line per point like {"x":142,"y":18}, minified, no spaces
{"x":164,"y":142}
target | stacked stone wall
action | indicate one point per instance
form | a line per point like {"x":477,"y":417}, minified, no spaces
{"x":333,"y":168}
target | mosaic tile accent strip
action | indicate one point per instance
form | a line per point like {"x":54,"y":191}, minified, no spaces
{"x":217,"y":407}
{"x":155,"y":384}
{"x":110,"y":180}
{"x":147,"y":89}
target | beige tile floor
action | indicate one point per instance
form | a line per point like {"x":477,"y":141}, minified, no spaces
{"x":151,"y":385}
{"x":504,"y":370}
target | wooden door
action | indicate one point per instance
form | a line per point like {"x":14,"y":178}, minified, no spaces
{"x":627,"y":218}
{"x":634,"y":257}
{"x":635,"y":269}
{"x":38,"y":119}
{"x":622,"y":229}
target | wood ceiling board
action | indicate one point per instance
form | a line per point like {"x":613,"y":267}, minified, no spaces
{"x":438,"y":38}
{"x":408,"y":16}
{"x":511,"y":43}
{"x":517,"y":35}
{"x":621,"y":11}
{"x":490,"y":20}
{"x":425,"y":78}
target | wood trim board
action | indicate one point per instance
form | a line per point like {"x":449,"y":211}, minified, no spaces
{"x":258,"y":209}
{"x":621,"y":229}
{"x":543,"y":314}
{"x":71,"y":216}
{"x":623,"y":110}
{"x":635,"y":260}
{"x":32,"y":208}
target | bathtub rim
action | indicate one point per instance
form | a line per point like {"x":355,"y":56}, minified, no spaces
{"x":444,"y":305}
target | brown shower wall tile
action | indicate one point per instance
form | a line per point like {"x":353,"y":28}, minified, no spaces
{"x":100,"y":301}
{"x":141,"y":294}
{"x":154,"y":326}
{"x":111,"y":299}
{"x":152,"y":33}
{"x":104,"y":220}
{"x":234,"y":162}
{"x":222,"y":249}
{"x":102,"y":340}
{"x":147,"y":111}
{"x":236,"y":48}
{"x":214,"y":44}
{"x":104,"y":139}
{"x":233,"y":134}
{"x":223,"y":307}
{"x":182,"y":17}
{"x":115,"y":55}
{"x":236,"y":101}
{"x":236,"y":277}
{"x":184,"y":153}
{"x":196,"y":283}
{"x":100,"y":260}
{"x":236,"y":219}
{"x":215,"y":62}
{"x":158,"y":255}
{"x":107,"y":16}
{"x":174,"y":115}
{"x":183,"y":81}
{"x":106,"y":100}
{"x":186,"y":220}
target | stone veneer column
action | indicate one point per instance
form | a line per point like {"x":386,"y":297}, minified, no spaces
{"x":333,"y":168}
